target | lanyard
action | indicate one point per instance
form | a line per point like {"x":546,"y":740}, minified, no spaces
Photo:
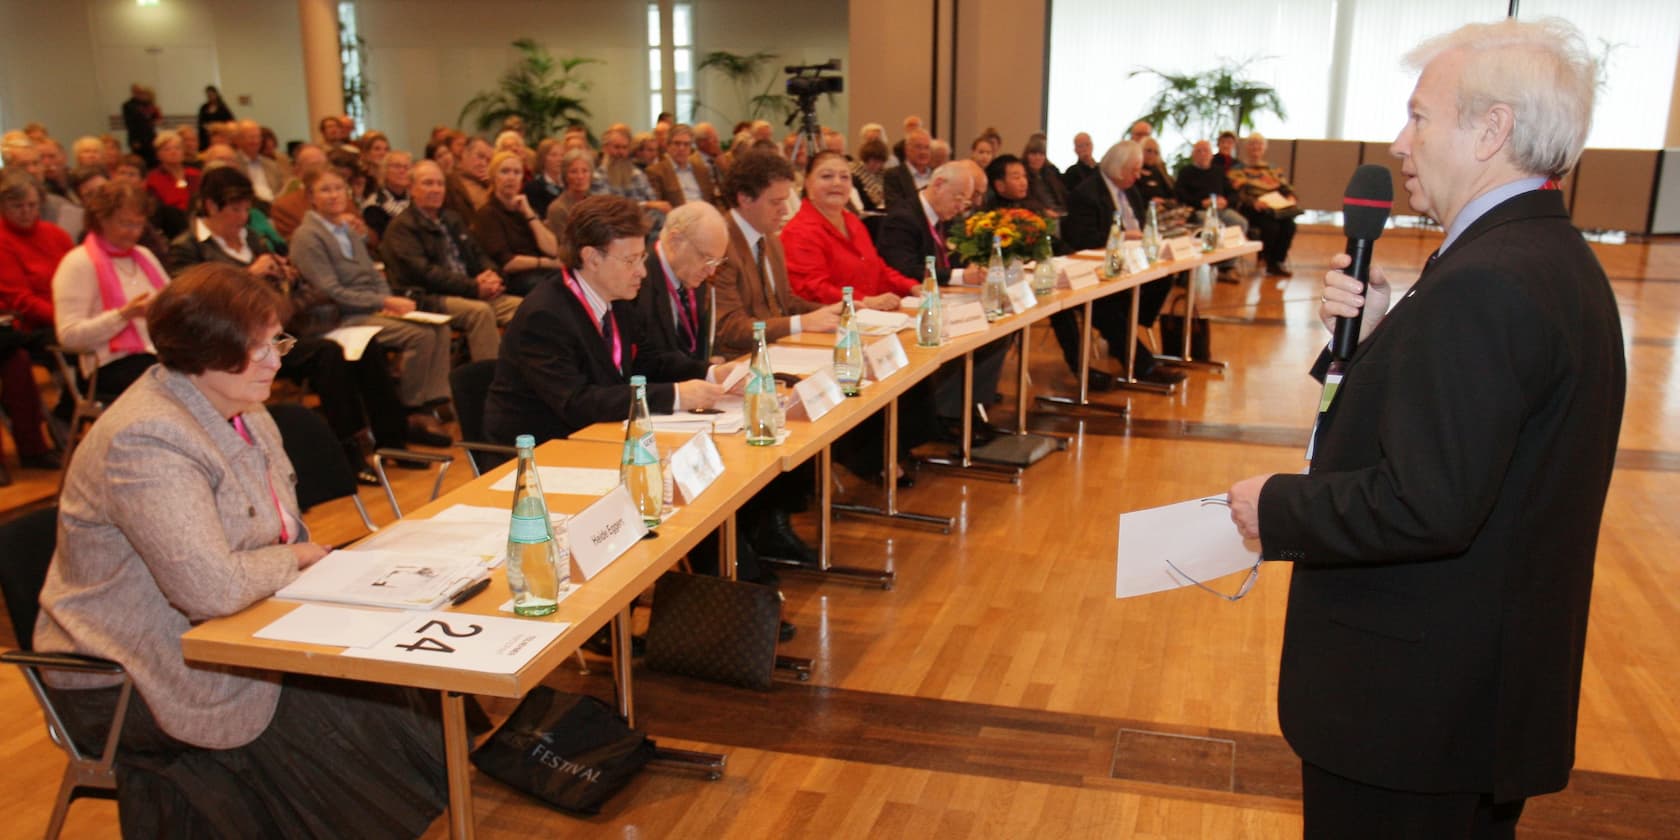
{"x":688,"y":316}
{"x":239,"y":426}
{"x":617,"y":346}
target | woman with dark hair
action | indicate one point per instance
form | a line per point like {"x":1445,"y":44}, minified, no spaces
{"x":827,"y":246}
{"x":866,"y":174}
{"x":546,"y":183}
{"x":206,"y":523}
{"x":102,"y":289}
{"x":1044,"y":180}
{"x":577,"y":178}
{"x":214,"y":110}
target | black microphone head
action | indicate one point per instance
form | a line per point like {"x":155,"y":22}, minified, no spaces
{"x":1365,"y":205}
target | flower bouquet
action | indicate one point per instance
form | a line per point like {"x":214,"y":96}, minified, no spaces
{"x":1019,"y":232}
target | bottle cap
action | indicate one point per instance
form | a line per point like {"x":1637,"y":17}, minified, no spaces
{"x":638,"y":381}
{"x":758,"y":325}
{"x":846,"y":290}
{"x":524,"y":442}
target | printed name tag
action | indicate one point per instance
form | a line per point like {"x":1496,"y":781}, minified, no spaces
{"x":695,"y":465}
{"x":817,"y":395}
{"x":1136,"y":261}
{"x":601,"y":532}
{"x":1078,"y":275}
{"x":885,"y":357}
{"x":964,"y":318}
{"x":1021,"y":297}
{"x":1231,"y":235}
{"x":1179,"y":248}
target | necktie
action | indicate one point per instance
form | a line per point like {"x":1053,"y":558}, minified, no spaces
{"x":939,"y":245}
{"x":607,"y":329}
{"x":689,"y":319}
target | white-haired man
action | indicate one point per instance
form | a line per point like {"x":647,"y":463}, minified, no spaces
{"x":1444,"y":536}
{"x":901,"y":183}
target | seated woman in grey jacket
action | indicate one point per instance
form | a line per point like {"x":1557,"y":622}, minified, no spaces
{"x":180,"y":507}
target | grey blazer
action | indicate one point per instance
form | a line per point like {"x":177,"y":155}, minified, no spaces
{"x":166,"y":520}
{"x":353,"y":282}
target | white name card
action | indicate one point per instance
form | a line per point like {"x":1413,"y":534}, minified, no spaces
{"x":816,"y":395}
{"x":1179,"y":248}
{"x":885,"y":357}
{"x":1231,"y":236}
{"x":489,"y":644}
{"x":1136,"y":260}
{"x":956,"y":277}
{"x":1021,"y":297}
{"x":695,"y":465}
{"x":964,"y":318}
{"x":1077,"y":274}
{"x":601,"y":532}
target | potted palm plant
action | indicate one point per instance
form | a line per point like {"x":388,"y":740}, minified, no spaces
{"x":1203,"y":104}
{"x":538,"y":89}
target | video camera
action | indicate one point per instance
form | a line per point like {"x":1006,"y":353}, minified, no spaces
{"x":808,"y":81}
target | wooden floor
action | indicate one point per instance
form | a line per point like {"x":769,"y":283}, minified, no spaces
{"x":1000,"y":691}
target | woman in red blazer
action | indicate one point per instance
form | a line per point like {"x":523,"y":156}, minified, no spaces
{"x":827,"y":246}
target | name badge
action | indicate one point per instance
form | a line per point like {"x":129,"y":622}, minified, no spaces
{"x":964,"y":318}
{"x":885,"y":357}
{"x":1179,"y":248}
{"x":695,"y":465}
{"x":1136,"y":260}
{"x":1078,"y":275}
{"x":601,"y":532}
{"x":1021,"y":297}
{"x":1231,"y":236}
{"x":816,"y":395}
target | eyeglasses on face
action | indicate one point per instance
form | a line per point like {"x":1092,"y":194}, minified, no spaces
{"x":275,"y":348}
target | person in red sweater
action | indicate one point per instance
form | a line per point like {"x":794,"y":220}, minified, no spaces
{"x":828,"y":248}
{"x":172,"y":181}
{"x":30,"y":249}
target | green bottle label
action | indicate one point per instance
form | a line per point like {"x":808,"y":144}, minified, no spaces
{"x":639,"y":451}
{"x":528,"y":530}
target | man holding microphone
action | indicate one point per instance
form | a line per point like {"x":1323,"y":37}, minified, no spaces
{"x":1444,"y":537}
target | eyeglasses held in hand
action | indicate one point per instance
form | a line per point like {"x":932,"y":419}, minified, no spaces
{"x":1247,"y":584}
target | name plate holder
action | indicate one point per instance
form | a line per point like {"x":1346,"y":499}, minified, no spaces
{"x":1136,"y":261}
{"x":1180,"y":248}
{"x":816,"y":395}
{"x":1021,"y":297}
{"x":695,"y":465}
{"x":885,"y":357}
{"x":1231,"y":236}
{"x":964,"y":318}
{"x":1079,"y":275}
{"x":598,"y":534}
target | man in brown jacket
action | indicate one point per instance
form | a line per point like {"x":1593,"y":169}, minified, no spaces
{"x":681,"y":175}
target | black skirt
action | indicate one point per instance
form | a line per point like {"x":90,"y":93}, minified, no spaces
{"x":340,"y":759}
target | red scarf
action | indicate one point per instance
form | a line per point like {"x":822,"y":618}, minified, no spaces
{"x":111,"y":291}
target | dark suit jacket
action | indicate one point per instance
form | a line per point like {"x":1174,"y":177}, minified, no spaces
{"x":906,"y":242}
{"x":416,"y":254}
{"x":899,"y":186}
{"x":555,"y":374}
{"x":657,"y":323}
{"x":1444,"y":538}
{"x":741,"y":297}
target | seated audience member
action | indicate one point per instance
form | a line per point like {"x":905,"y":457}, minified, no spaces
{"x":875,"y":131}
{"x":981,"y":151}
{"x":266,"y":176}
{"x":939,"y":153}
{"x":55,"y":172}
{"x":30,"y":251}
{"x":681,"y":176}
{"x":834,"y":141}
{"x":903,"y":181}
{"x":568,"y":354}
{"x":827,"y":247}
{"x":911,"y":125}
{"x":394,"y":175}
{"x":752,"y":284}
{"x":577,"y":172}
{"x":644,"y":150}
{"x":1091,"y":210}
{"x":172,"y":183}
{"x":357,"y":397}
{"x":333,"y":259}
{"x":622,"y":177}
{"x":102,"y":289}
{"x":216,"y":751}
{"x":87,"y":151}
{"x":1251,"y":179}
{"x":292,"y":201}
{"x":469,"y":184}
{"x":438,"y":152}
{"x":1044,"y":181}
{"x":190,"y":147}
{"x":509,"y":232}
{"x":547,"y":183}
{"x":1226,"y":157}
{"x":372,"y":148}
{"x":1084,"y":167}
{"x":866,"y":176}
{"x":710,"y":147}
{"x":20,"y":153}
{"x":1154,"y":185}
{"x":1202,"y":184}
{"x":1140,"y":131}
{"x":1010,"y":186}
{"x":430,"y":256}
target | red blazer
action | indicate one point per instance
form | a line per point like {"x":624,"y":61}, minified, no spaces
{"x":27,"y":262}
{"x":162,"y":185}
{"x":820,"y":260}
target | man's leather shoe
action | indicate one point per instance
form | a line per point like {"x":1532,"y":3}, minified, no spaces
{"x":786,"y":632}
{"x":776,"y":538}
{"x":1161,"y":375}
{"x":1278,"y":270}
{"x":426,"y":432}
{"x":367,"y":477}
{"x":1099,"y":381}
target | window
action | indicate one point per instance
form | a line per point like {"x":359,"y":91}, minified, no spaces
{"x":679,"y":53}
{"x":350,"y":56}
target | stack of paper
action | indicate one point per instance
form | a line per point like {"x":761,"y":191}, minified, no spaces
{"x":377,"y":578}
{"x":800,"y":361}
{"x":876,"y":322}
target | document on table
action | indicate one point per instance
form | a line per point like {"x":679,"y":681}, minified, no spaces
{"x":488,"y":644}
{"x":1196,"y":536}
{"x":354,"y":340}
{"x":876,"y":322}
{"x":571,"y":481}
{"x":375,"y":578}
{"x":725,"y":417}
{"x":323,"y":624}
{"x":800,"y":361}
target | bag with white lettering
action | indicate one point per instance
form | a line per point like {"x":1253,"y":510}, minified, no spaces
{"x":569,"y":750}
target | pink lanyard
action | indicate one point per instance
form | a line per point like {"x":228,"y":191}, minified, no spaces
{"x":617,"y":346}
{"x":239,"y":426}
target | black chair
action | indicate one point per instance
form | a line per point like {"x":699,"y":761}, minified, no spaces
{"x":470,"y":386}
{"x":29,"y":540}
{"x":323,"y":473}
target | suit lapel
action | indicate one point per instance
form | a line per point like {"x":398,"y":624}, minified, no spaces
{"x":600,"y":352}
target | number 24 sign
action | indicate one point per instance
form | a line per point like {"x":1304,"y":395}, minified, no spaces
{"x":489,"y":644}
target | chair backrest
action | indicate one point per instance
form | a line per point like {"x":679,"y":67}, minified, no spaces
{"x":469,"y":385}
{"x":29,"y":539}
{"x":323,"y":474}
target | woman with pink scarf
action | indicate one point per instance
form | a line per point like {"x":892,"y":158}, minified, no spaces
{"x":103,"y":288}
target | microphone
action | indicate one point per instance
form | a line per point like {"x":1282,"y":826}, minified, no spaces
{"x":1365,"y":206}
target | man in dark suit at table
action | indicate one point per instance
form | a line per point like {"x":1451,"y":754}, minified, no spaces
{"x":752,"y":283}
{"x":673,"y":312}
{"x":568,"y":354}
{"x":1444,"y":537}
{"x":1091,"y":208}
{"x":902,"y":182}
